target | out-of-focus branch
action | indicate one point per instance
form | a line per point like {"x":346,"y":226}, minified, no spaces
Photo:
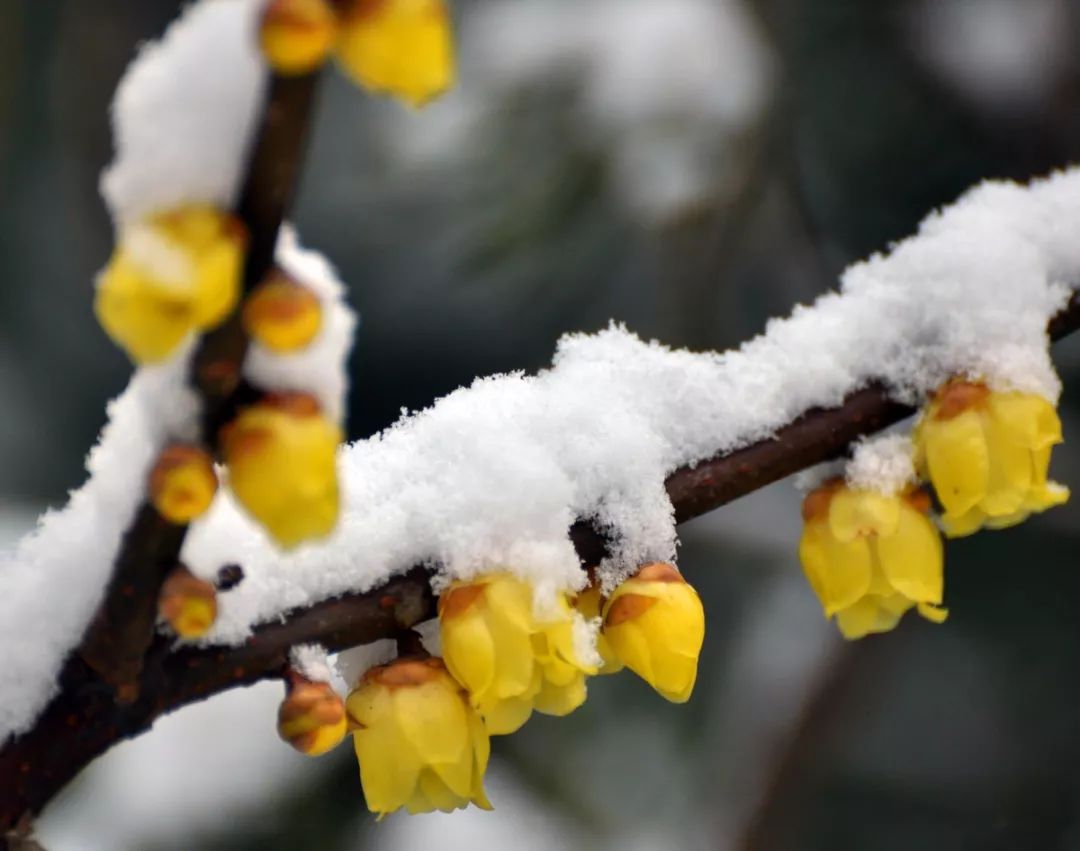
{"x":84,"y":720}
{"x":117,"y":639}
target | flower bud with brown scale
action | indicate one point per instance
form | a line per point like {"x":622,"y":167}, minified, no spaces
{"x":187,"y":603}
{"x":312,"y":716}
{"x":182,"y":483}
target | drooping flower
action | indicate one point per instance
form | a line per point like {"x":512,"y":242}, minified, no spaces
{"x":420,"y":744}
{"x":182,"y":483}
{"x":312,"y":718}
{"x":870,"y":557}
{"x":655,"y":624}
{"x":296,"y":36}
{"x":281,"y":456}
{"x":401,"y":47}
{"x":187,"y":603}
{"x":282,"y":314}
{"x":172,"y":274}
{"x":987,"y":454}
{"x":509,"y":659}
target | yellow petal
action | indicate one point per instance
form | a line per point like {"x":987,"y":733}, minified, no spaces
{"x":912,"y":559}
{"x":934,"y":614}
{"x":957,"y":459}
{"x":398,"y":46}
{"x":849,"y":572}
{"x":560,"y":699}
{"x":469,"y":650}
{"x":960,"y":526}
{"x":506,"y":715}
{"x":854,"y":514}
{"x":871,"y":614}
{"x":1028,"y":420}
{"x":389,"y":768}
{"x":433,"y":721}
{"x":1010,"y":474}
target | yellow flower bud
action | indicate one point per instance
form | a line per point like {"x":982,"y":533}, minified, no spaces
{"x":281,"y":314}
{"x":182,"y":483}
{"x":589,"y":604}
{"x":654,"y":622}
{"x":296,"y":36}
{"x":420,"y":744}
{"x":508,"y":659}
{"x":175,"y":273}
{"x":312,"y":718}
{"x":187,"y":603}
{"x":282,"y":461}
{"x":870,"y":557}
{"x":987,"y":455}
{"x":402,"y":47}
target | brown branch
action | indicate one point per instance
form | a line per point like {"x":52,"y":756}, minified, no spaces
{"x":84,"y":720}
{"x":119,"y":635}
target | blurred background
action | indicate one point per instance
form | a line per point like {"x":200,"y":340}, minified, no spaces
{"x":690,"y":167}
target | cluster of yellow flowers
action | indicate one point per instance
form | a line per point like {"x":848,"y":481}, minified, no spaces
{"x":402,"y":47}
{"x":422,"y":725}
{"x":870,"y":557}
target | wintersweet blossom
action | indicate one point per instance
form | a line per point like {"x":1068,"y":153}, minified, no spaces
{"x":312,"y":718}
{"x":510,"y":659}
{"x":296,"y":36}
{"x":419,"y":743}
{"x":282,"y":462}
{"x":870,"y":557}
{"x":172,"y":274}
{"x":402,"y":47}
{"x":187,"y":603}
{"x":987,"y":454}
{"x":182,"y":483}
{"x":282,"y":314}
{"x":655,"y":624}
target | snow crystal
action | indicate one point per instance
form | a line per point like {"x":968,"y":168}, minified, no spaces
{"x":184,"y":113}
{"x":884,"y":464}
{"x":318,"y":368}
{"x":53,"y":581}
{"x":311,"y":661}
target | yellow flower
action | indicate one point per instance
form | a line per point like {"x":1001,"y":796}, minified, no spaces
{"x":871,"y":557}
{"x":182,"y":483}
{"x":509,"y":660}
{"x":175,"y":273}
{"x":654,"y":622}
{"x":282,"y":460}
{"x":987,"y":455}
{"x":420,"y":744}
{"x":296,"y":36}
{"x":187,"y":603}
{"x":402,"y":47}
{"x":590,"y":604}
{"x":282,"y":314}
{"x":312,"y":718}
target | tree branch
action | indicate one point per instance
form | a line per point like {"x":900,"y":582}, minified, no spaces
{"x":84,"y":720}
{"x":119,"y":635}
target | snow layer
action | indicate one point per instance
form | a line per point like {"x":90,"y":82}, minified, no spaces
{"x":884,"y":464}
{"x":51,"y":583}
{"x":493,"y":475}
{"x":184,"y":112}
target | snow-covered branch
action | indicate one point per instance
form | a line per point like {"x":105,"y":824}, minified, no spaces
{"x":584,"y":468}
